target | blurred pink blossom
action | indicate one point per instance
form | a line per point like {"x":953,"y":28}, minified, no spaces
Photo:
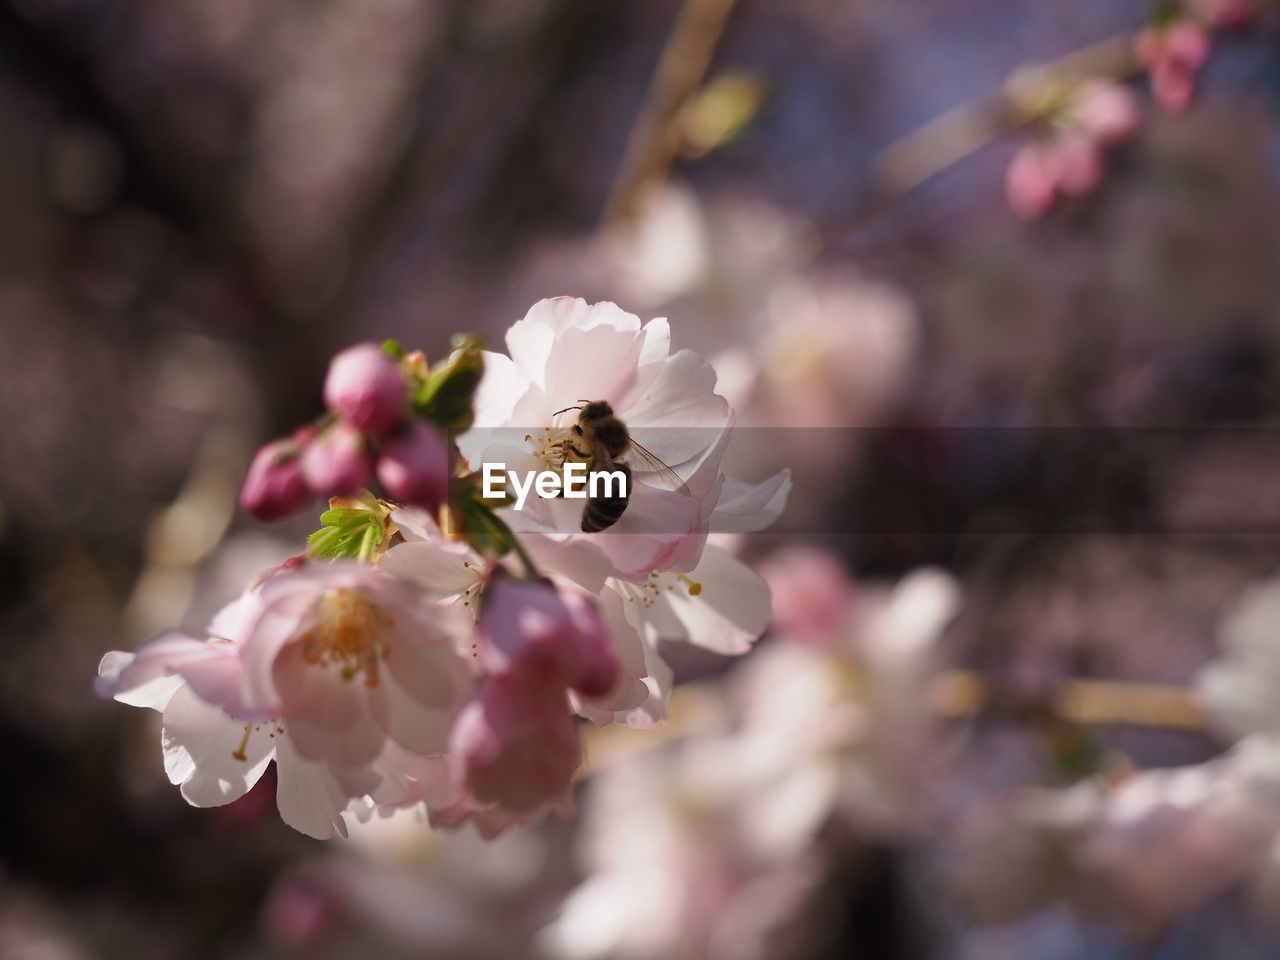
{"x":336,"y":463}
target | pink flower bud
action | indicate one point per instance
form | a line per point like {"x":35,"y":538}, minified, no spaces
{"x":1079,"y":166}
{"x":274,"y":487}
{"x":1173,"y":87}
{"x":1186,"y":44}
{"x":1030,"y":184}
{"x":1108,"y":113}
{"x":516,"y":745}
{"x":414,"y":468}
{"x":335,"y":464}
{"x":528,"y":629}
{"x":366,"y":387}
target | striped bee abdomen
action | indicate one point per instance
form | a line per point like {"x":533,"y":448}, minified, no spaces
{"x":601,"y":513}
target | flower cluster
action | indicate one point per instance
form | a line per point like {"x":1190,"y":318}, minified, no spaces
{"x":1074,"y":131}
{"x":716,"y":845}
{"x":432,"y":652}
{"x":1174,"y":49}
{"x":371,"y":427}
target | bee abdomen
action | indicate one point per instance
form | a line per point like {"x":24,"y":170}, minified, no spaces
{"x":601,"y":513}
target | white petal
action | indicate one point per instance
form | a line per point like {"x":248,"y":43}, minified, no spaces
{"x":202,"y":751}
{"x":729,"y":611}
{"x":500,"y":390}
{"x":308,"y":795}
{"x":747,"y":508}
{"x":433,"y":567}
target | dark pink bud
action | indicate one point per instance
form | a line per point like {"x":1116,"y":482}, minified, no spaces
{"x":335,"y":464}
{"x":274,"y":487}
{"x":516,"y":745}
{"x":366,"y":387}
{"x":1030,"y":184}
{"x":414,"y":468}
{"x":528,"y":629}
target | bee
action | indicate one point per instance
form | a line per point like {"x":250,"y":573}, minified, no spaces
{"x":603,"y":442}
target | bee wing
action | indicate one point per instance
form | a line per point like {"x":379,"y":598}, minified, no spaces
{"x":646,"y":463}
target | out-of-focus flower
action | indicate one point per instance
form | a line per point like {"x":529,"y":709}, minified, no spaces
{"x":336,"y":463}
{"x":366,"y":388}
{"x":339,"y":672}
{"x":1173,"y":54}
{"x":813,"y":596}
{"x":1224,"y":14}
{"x":414,"y":466}
{"x":1241,"y":686}
{"x":1137,"y":850}
{"x":274,"y":486}
{"x":677,"y":868}
{"x":842,"y":721}
{"x":1068,"y":157}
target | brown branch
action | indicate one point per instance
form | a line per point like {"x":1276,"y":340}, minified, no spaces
{"x":655,"y":137}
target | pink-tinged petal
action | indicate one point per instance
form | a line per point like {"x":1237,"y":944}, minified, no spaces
{"x":330,"y":719}
{"x":425,"y":685}
{"x":595,"y":364}
{"x":149,"y":677}
{"x":657,"y":341}
{"x":439,"y":570}
{"x":114,"y":681}
{"x":207,"y":753}
{"x":731,"y":610}
{"x":530,"y":341}
{"x":309,"y":797}
{"x":678,"y":415}
{"x":286,"y":602}
{"x":500,"y":390}
{"x":748,"y":508}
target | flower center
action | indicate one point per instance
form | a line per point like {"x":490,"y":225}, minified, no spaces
{"x":549,"y":446}
{"x":347,"y":633}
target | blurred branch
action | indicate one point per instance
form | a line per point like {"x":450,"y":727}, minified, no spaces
{"x":961,"y":132}
{"x":655,"y":138}
{"x":954,"y":695}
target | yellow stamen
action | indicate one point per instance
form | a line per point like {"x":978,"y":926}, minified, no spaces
{"x":239,"y":753}
{"x":347,"y":633}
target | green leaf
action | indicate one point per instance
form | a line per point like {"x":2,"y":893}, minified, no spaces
{"x":348,"y":532}
{"x":393,"y":349}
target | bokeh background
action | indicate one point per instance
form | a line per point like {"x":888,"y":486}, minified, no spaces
{"x":201,"y":202}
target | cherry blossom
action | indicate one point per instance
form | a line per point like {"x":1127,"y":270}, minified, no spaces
{"x":338,"y":672}
{"x":566,"y":351}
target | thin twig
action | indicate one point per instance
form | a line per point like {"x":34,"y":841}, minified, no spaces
{"x":655,"y":137}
